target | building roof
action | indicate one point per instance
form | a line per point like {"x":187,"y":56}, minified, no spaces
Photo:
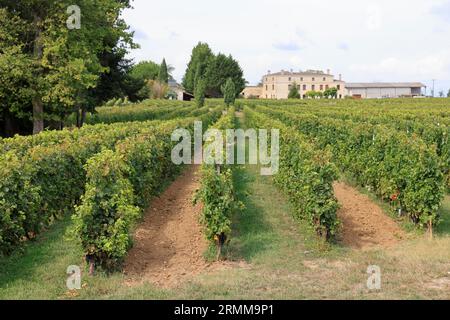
{"x":385,"y":85}
{"x":300,"y":73}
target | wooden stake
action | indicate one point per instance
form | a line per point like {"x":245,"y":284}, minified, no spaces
{"x":430,"y":229}
{"x":91,"y":268}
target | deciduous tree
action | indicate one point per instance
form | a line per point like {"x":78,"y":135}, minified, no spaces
{"x":65,"y":62}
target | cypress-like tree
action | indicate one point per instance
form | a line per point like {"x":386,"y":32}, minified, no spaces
{"x":293,"y":92}
{"x":197,"y":67}
{"x":163,"y":75}
{"x":200,"y":92}
{"x":229,"y":92}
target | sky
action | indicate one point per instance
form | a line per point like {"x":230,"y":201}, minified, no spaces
{"x":364,"y":40}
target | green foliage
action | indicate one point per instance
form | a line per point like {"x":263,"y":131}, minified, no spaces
{"x":331,"y":93}
{"x":64,"y":64}
{"x":47,"y":181}
{"x":229,"y":92}
{"x":107,"y":211}
{"x":145,"y":70}
{"x":200,"y":57}
{"x":306,"y":175}
{"x":389,"y":162}
{"x":220,"y":69}
{"x":214,"y":69}
{"x":448,"y":93}
{"x":119,"y":185}
{"x":217,"y":194}
{"x":293,"y":92}
{"x":163,"y":75}
{"x":314,"y":94}
{"x":43,"y":176}
{"x":200,"y":93}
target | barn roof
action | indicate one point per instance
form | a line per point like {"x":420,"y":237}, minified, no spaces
{"x":385,"y":85}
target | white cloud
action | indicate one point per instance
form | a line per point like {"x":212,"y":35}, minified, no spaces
{"x":374,"y":17}
{"x":436,"y":65}
{"x":362,"y":39}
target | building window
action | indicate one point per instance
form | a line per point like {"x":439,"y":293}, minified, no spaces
{"x":290,"y":87}
{"x":273,"y":87}
{"x":327,"y":87}
{"x":290,"y":79}
{"x":324,"y":79}
{"x":339,"y":87}
{"x":321,"y":87}
{"x":301,"y":79}
{"x":313,"y":87}
{"x":304,"y":87}
{"x":313,"y":79}
{"x":267,"y":87}
{"x":298,"y":87}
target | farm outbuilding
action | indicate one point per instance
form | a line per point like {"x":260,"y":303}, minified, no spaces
{"x":177,"y":92}
{"x":378,"y":90}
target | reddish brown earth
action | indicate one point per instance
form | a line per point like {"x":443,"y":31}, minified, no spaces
{"x":169,"y":243}
{"x":365,"y":225}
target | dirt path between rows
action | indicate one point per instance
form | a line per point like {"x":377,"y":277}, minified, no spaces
{"x":169,"y":243}
{"x":365,"y":225}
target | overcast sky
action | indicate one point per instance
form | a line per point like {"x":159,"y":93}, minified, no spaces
{"x":382,"y":40}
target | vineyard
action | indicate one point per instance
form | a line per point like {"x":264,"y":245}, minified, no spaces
{"x":83,"y":197}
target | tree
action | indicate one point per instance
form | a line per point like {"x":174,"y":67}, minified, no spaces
{"x":197,"y":67}
{"x":293,"y":92}
{"x":200,"y":92}
{"x":441,"y":94}
{"x":215,"y":70}
{"x":220,"y":69}
{"x":314,"y":94}
{"x":64,"y":63}
{"x":15,"y":75}
{"x":229,"y":92}
{"x":163,"y":75}
{"x":145,"y":70}
{"x":331,"y":92}
{"x":448,"y":94}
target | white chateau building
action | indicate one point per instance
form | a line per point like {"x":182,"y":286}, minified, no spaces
{"x":277,"y":86}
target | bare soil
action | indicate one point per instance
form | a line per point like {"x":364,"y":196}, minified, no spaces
{"x":365,"y":225}
{"x":169,"y":243}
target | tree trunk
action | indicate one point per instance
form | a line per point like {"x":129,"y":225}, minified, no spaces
{"x":83,"y":116}
{"x":38,"y":115}
{"x":38,"y":106}
{"x":78,"y":117}
{"x":9,"y":127}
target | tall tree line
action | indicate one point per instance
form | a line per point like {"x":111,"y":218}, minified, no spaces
{"x":212,"y":72}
